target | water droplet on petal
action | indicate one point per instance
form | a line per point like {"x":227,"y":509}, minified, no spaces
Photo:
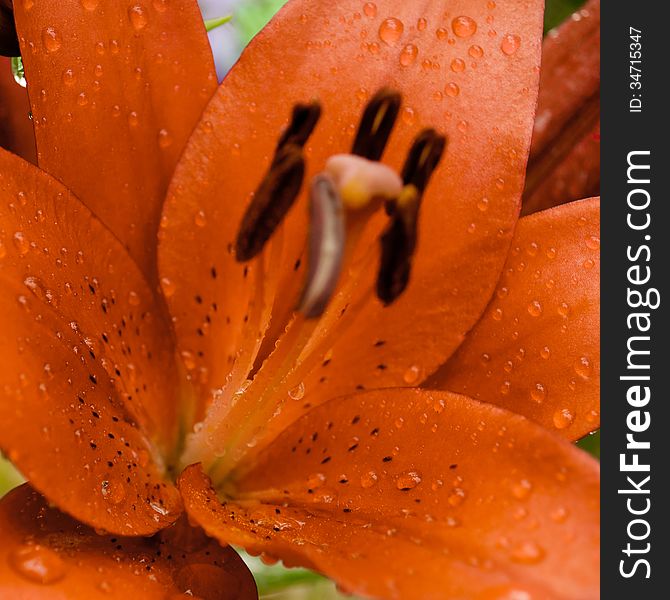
{"x":37,"y":564}
{"x":297,"y":392}
{"x":164,"y":138}
{"x":21,"y":243}
{"x":138,"y":17}
{"x":593,"y":242}
{"x":528,"y":553}
{"x":538,"y":393}
{"x":408,"y":55}
{"x":452,"y":90}
{"x":369,"y":479}
{"x":476,"y":51}
{"x":51,"y":39}
{"x":583,"y":367}
{"x":535,"y":308}
{"x":456,"y":497}
{"x":408,"y":480}
{"x":457,"y":65}
{"x":412,"y":375}
{"x":463,"y":26}
{"x":90,"y":4}
{"x":200,"y":218}
{"x":510,"y":44}
{"x":390,"y":30}
{"x":168,"y":286}
{"x":521,"y":490}
{"x":370,"y":9}
{"x":563,"y":418}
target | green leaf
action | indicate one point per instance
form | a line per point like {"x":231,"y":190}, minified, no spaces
{"x":217,"y":22}
{"x":591,"y":444}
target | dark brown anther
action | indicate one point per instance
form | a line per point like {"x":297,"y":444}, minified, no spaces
{"x":398,"y":244}
{"x":9,"y":42}
{"x":400,"y":238}
{"x":303,"y":121}
{"x":376,"y":124}
{"x":326,"y":246}
{"x":273,"y":199}
{"x":422,"y":159}
{"x":280,"y":186}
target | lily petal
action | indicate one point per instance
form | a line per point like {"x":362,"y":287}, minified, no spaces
{"x":536,"y":350}
{"x":88,"y":382}
{"x":45,"y":554}
{"x":564,"y":162}
{"x":416,"y":494}
{"x":116,"y":89}
{"x":341,"y":54}
{"x":16,"y":128}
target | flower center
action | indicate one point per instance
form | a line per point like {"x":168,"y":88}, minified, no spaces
{"x":349,"y":190}
{"x":343,"y":198}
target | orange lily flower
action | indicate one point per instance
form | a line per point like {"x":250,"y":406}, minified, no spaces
{"x":166,"y":389}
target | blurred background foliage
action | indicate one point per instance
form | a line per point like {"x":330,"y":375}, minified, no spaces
{"x":249,"y":16}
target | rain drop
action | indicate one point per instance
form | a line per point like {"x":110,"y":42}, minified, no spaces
{"x":368,"y":479}
{"x":527,"y":553}
{"x":168,"y":286}
{"x":37,"y":564}
{"x":200,"y":218}
{"x":412,"y":375}
{"x":593,"y":242}
{"x":408,"y":55}
{"x":510,"y":44}
{"x":51,"y":39}
{"x":408,"y":480}
{"x":535,"y":308}
{"x":452,"y":90}
{"x":390,"y":30}
{"x":463,"y":26}
{"x":457,"y":65}
{"x":583,"y":367}
{"x":297,"y":392}
{"x":563,"y":418}
{"x":90,"y":4}
{"x":476,"y":51}
{"x":456,"y":497}
{"x":370,"y":9}
{"x":164,"y":139}
{"x":138,"y":17}
{"x":521,"y":490}
{"x":538,"y":393}
{"x":21,"y":243}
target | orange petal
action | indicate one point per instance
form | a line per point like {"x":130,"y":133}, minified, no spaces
{"x":116,"y":90}
{"x":46,"y":554}
{"x":536,"y":350}
{"x":415,"y":494}
{"x":490,"y":73}
{"x":88,"y":384}
{"x":564,"y":162}
{"x":16,"y":128}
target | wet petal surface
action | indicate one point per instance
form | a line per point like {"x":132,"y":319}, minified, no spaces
{"x":88,"y":384}
{"x":408,"y":493}
{"x":46,"y":554}
{"x":536,"y":349}
{"x":138,"y":75}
